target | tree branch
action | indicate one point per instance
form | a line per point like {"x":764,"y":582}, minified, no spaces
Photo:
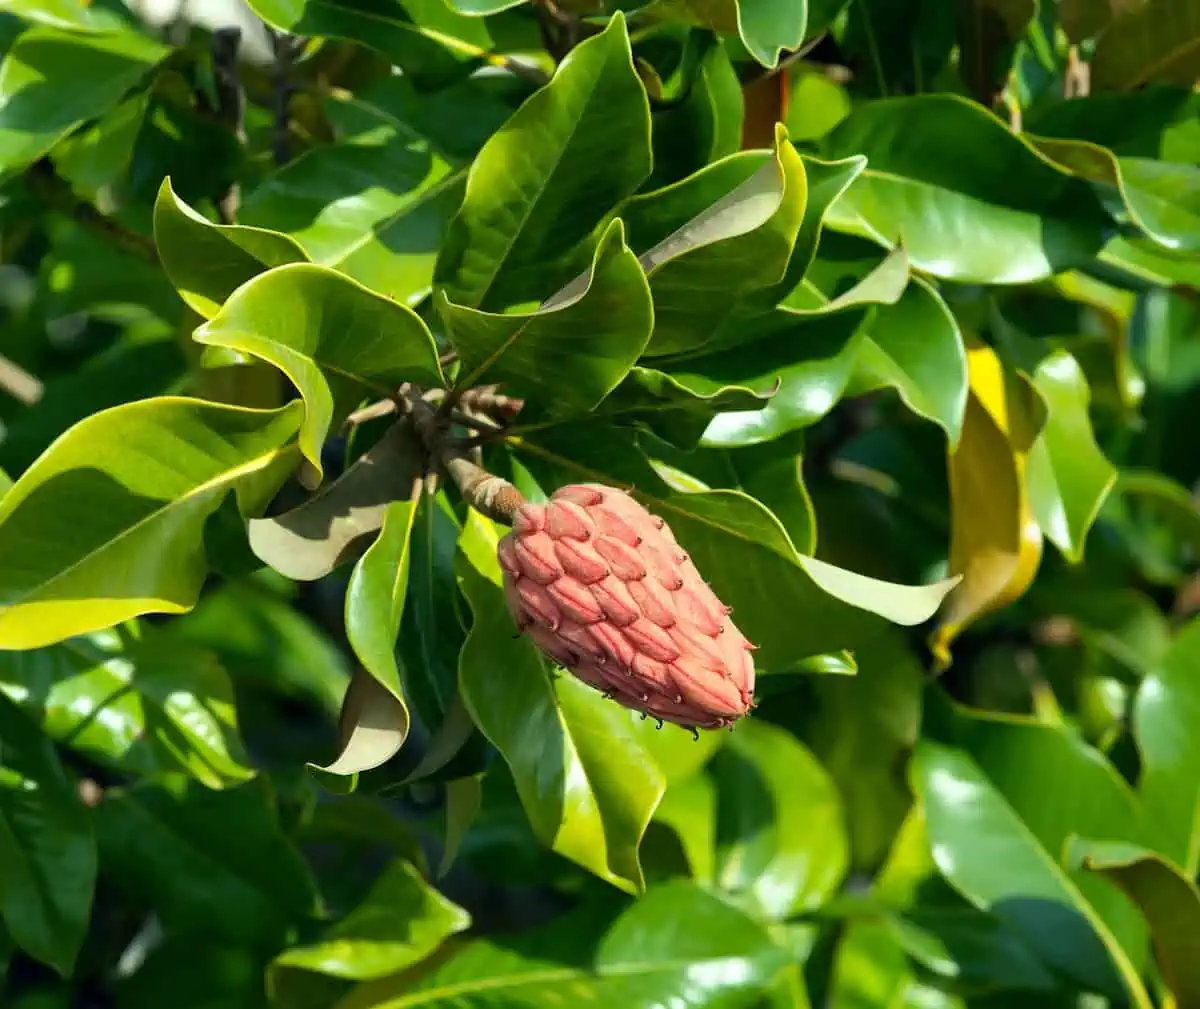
{"x":488,"y":494}
{"x":55,"y":192}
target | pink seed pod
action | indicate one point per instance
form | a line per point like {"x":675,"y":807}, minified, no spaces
{"x":604,"y":590}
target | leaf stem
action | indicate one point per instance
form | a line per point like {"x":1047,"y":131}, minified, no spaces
{"x":487,"y":493}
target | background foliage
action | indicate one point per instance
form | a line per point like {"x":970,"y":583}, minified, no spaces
{"x":860,"y":294}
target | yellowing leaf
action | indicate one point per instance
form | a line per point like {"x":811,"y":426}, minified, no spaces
{"x":995,"y":541}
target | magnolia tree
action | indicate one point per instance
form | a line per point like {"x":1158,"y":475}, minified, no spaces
{"x":522,"y":504}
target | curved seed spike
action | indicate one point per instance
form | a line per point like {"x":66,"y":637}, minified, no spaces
{"x":695,"y":734}
{"x":660,"y":722}
{"x":601,"y":585}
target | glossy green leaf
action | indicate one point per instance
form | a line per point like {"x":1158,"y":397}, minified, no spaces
{"x":808,"y":354}
{"x":207,"y":262}
{"x":52,"y":80}
{"x":914,"y":346}
{"x":973,"y":950}
{"x":399,"y":922}
{"x":335,"y":340}
{"x":1166,"y":706}
{"x":1168,"y":899}
{"x":1038,"y":218}
{"x":47,"y":852}
{"x":1155,"y":123}
{"x":149,"y":706}
{"x":171,"y":848}
{"x":766,"y":28}
{"x":435,"y":619}
{"x":108,"y":523}
{"x":774,"y":475}
{"x":733,"y":248}
{"x":675,"y":938}
{"x":312,"y":539}
{"x":675,"y":750}
{"x":781,"y":834}
{"x":669,"y":408}
{"x":699,"y":119}
{"x":789,"y":604}
{"x":1159,"y":198}
{"x":543,"y":181}
{"x":1158,"y":40}
{"x":572,"y":352}
{"x":1069,"y":476}
{"x":377,"y":204}
{"x":588,"y":787}
{"x":689,"y":809}
{"x":375,"y":596}
{"x":998,"y":841}
{"x":423,"y":37}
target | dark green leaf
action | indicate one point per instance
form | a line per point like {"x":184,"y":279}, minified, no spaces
{"x":988,"y":31}
{"x":400,"y":922}
{"x":549,"y":175}
{"x":669,"y":408}
{"x":1168,"y":899}
{"x":47,"y":852}
{"x":1159,"y":198}
{"x":1038,"y":219}
{"x":263,"y":640}
{"x":172,"y":849}
{"x":51,"y":80}
{"x":429,"y":42}
{"x":704,"y":122}
{"x":571,"y":353}
{"x":811,"y":377}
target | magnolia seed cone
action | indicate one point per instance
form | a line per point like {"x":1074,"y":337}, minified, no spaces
{"x":603,"y":589}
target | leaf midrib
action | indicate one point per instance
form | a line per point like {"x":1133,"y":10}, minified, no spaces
{"x":557,"y":163}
